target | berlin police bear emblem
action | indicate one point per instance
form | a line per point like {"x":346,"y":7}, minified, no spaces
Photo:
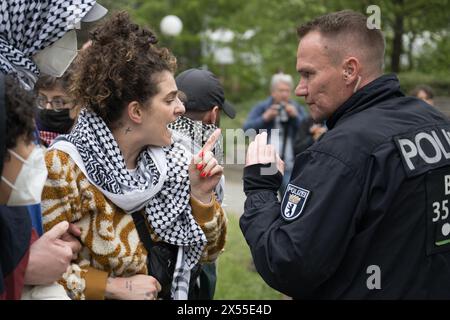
{"x":293,"y":202}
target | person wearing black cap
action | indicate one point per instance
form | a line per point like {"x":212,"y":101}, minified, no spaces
{"x":204,"y":96}
{"x":204,"y":99}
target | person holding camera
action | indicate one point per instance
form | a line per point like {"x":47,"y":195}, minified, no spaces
{"x":279,"y":112}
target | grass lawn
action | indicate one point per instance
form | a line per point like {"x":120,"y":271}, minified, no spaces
{"x":235,"y":279}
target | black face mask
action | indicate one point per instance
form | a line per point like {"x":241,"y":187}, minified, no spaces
{"x":53,"y":121}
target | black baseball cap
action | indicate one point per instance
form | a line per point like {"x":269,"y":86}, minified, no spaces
{"x":203,"y":91}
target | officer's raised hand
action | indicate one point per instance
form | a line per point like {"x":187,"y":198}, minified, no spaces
{"x":259,"y":152}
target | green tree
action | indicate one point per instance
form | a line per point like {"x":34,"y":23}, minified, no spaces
{"x":273,"y":23}
{"x":402,"y":19}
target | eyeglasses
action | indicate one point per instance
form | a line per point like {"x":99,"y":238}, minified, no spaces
{"x":58,"y":103}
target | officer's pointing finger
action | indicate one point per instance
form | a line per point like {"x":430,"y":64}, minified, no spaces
{"x":261,"y":139}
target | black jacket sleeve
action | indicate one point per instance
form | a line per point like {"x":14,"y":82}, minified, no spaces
{"x":296,"y":257}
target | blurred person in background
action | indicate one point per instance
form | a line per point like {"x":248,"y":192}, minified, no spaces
{"x":279,"y":112}
{"x":424,"y":92}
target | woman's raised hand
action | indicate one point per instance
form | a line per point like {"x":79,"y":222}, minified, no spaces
{"x":205,"y":171}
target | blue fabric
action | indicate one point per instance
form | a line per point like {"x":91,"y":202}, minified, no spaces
{"x":35,"y":214}
{"x":15,"y":233}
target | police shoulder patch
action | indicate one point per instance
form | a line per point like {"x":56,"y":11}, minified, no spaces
{"x":294,"y":201}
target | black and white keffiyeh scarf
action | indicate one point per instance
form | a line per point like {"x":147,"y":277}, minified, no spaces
{"x":29,"y":26}
{"x":160,"y":185}
{"x":198,"y":133}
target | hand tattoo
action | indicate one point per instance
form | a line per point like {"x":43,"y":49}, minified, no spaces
{"x":128,"y":285}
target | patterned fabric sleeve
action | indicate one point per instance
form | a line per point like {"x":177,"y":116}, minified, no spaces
{"x":213,"y":221}
{"x":61,"y":201}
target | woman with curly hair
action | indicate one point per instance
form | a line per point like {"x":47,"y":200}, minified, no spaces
{"x":146,"y":208}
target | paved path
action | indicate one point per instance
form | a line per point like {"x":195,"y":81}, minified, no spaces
{"x":234,"y":199}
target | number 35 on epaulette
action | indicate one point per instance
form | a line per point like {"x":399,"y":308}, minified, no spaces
{"x":438,"y":210}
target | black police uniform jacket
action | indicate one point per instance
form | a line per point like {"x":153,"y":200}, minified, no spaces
{"x":366,"y":213}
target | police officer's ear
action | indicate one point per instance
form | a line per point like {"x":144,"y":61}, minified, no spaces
{"x":350,"y":70}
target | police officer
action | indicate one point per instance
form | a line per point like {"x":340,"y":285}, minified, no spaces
{"x":366,"y":212}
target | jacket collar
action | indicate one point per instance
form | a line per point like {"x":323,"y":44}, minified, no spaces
{"x":381,"y":89}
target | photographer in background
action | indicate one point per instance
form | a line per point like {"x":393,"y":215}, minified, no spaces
{"x":279,"y":112}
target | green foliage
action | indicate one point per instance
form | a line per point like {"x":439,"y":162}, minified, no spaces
{"x":235,"y":277}
{"x":274,"y":44}
{"x":440,"y":83}
{"x":435,"y":58}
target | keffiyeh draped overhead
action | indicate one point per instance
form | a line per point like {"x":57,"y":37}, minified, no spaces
{"x":160,"y":185}
{"x":29,"y":26}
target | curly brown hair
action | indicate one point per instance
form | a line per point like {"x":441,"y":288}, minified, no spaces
{"x":20,"y":107}
{"x":122,"y":65}
{"x":47,"y":82}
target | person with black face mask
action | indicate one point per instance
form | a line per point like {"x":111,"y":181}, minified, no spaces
{"x":29,"y":264}
{"x":56,"y":111}
{"x":35,"y":36}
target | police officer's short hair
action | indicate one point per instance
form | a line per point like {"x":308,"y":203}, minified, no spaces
{"x":353,"y":24}
{"x":281,"y":77}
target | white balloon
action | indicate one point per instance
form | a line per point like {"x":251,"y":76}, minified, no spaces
{"x":171,"y":25}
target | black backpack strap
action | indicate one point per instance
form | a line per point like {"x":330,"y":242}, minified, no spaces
{"x":161,"y":256}
{"x":143,"y":232}
{"x":161,"y":260}
{"x":2,"y":120}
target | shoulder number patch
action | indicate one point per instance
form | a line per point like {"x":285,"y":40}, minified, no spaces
{"x":294,"y":201}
